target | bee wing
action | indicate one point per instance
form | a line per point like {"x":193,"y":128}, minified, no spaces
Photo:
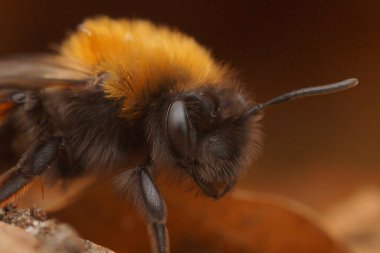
{"x":39,"y":71}
{"x":42,"y":70}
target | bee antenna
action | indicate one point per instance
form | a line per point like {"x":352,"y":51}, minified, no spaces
{"x":305,"y":92}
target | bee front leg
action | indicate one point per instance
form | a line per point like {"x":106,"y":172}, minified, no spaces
{"x":32,"y":163}
{"x":139,"y":185}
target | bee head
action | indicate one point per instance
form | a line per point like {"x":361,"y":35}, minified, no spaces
{"x":205,"y":135}
{"x":212,"y":132}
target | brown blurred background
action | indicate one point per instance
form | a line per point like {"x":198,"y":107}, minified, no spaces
{"x":316,"y":150}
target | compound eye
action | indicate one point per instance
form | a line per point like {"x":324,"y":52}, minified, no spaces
{"x":178,"y":129}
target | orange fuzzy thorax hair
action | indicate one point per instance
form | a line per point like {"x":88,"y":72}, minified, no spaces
{"x":140,"y":58}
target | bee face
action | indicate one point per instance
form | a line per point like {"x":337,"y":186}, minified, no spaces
{"x":204,"y":134}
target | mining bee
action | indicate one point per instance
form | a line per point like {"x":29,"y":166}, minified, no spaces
{"x":127,"y":99}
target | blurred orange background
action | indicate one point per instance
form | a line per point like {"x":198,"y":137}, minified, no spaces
{"x":316,"y":150}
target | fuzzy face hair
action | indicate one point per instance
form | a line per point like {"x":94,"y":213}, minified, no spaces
{"x":220,"y":142}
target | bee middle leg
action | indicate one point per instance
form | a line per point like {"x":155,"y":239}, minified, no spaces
{"x":145,"y":194}
{"x":31,"y":164}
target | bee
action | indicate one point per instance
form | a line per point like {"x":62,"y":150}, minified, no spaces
{"x":127,"y":99}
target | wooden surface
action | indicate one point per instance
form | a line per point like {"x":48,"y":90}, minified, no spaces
{"x":29,"y":231}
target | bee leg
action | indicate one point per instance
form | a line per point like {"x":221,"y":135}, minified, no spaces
{"x":32,"y":163}
{"x":139,"y":185}
{"x":159,"y":237}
